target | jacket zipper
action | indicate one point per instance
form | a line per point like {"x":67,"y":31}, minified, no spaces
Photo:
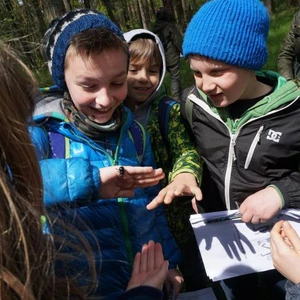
{"x":231,"y":159}
{"x":253,"y":146}
{"x":233,"y":137}
{"x":121,"y":202}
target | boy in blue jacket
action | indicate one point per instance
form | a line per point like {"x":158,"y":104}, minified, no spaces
{"x":89,"y":128}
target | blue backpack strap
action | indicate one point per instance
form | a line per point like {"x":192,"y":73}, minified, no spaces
{"x":138,"y":135}
{"x":164,"y":107}
{"x":57,"y":145}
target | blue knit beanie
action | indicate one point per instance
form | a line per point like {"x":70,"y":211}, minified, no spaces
{"x":60,"y":33}
{"x":232,"y":31}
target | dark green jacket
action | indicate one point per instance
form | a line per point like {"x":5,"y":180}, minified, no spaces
{"x":171,"y":39}
{"x":289,"y":55}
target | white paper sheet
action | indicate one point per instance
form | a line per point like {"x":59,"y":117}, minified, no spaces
{"x":231,"y":248}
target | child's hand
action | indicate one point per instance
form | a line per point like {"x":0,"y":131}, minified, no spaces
{"x":174,"y":280}
{"x":119,"y":181}
{"x":285,"y":247}
{"x":184,"y":184}
{"x":260,"y":206}
{"x":149,"y":267}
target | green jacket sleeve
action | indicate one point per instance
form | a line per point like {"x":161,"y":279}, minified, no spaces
{"x":287,"y":54}
{"x":183,"y":151}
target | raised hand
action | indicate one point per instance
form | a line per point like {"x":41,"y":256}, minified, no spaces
{"x":149,"y":268}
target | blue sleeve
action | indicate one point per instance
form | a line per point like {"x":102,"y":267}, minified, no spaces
{"x":69,"y":180}
{"x":170,"y":248}
{"x":142,"y":293}
{"x":72,"y":180}
{"x":40,"y":140}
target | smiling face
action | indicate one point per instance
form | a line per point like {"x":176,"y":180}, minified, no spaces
{"x":144,"y":70}
{"x":222,"y":83}
{"x":97,"y":84}
{"x":143,"y":79}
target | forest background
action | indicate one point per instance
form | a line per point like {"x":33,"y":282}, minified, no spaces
{"x":24,"y":22}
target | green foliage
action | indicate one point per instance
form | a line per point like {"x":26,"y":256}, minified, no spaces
{"x":280,"y":25}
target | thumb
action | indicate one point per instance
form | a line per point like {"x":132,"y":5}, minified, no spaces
{"x":161,"y":274}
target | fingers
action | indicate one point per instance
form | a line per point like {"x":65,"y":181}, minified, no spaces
{"x":283,"y":236}
{"x":151,"y":256}
{"x":194,"y":205}
{"x":159,"y":256}
{"x":198,"y":193}
{"x":162,"y":273}
{"x":144,"y":259}
{"x":291,"y":235}
{"x":158,"y":200}
{"x":143,"y":172}
{"x":136,"y":264}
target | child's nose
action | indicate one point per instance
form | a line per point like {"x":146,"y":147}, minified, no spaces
{"x":143,"y":75}
{"x":207,"y":85}
{"x":103,"y":97}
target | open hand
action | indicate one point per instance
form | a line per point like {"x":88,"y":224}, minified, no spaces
{"x":119,"y":181}
{"x":149,"y":267}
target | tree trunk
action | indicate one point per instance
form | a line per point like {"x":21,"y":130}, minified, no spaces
{"x":152,"y":9}
{"x":180,"y":16}
{"x":67,"y":5}
{"x":142,"y":10}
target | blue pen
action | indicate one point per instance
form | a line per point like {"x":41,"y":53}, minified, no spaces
{"x":234,"y":216}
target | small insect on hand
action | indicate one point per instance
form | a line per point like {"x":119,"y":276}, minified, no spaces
{"x":121,"y":170}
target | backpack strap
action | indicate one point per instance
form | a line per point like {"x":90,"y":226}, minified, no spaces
{"x":189,"y":110}
{"x":164,"y":107}
{"x":60,"y":145}
{"x":138,"y":135}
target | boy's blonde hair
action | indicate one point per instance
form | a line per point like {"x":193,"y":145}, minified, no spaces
{"x":145,"y":50}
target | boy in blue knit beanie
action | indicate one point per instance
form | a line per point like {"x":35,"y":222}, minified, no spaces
{"x":245,"y":121}
{"x":82,"y":132}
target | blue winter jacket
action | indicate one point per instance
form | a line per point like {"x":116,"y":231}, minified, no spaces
{"x":116,"y":228}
